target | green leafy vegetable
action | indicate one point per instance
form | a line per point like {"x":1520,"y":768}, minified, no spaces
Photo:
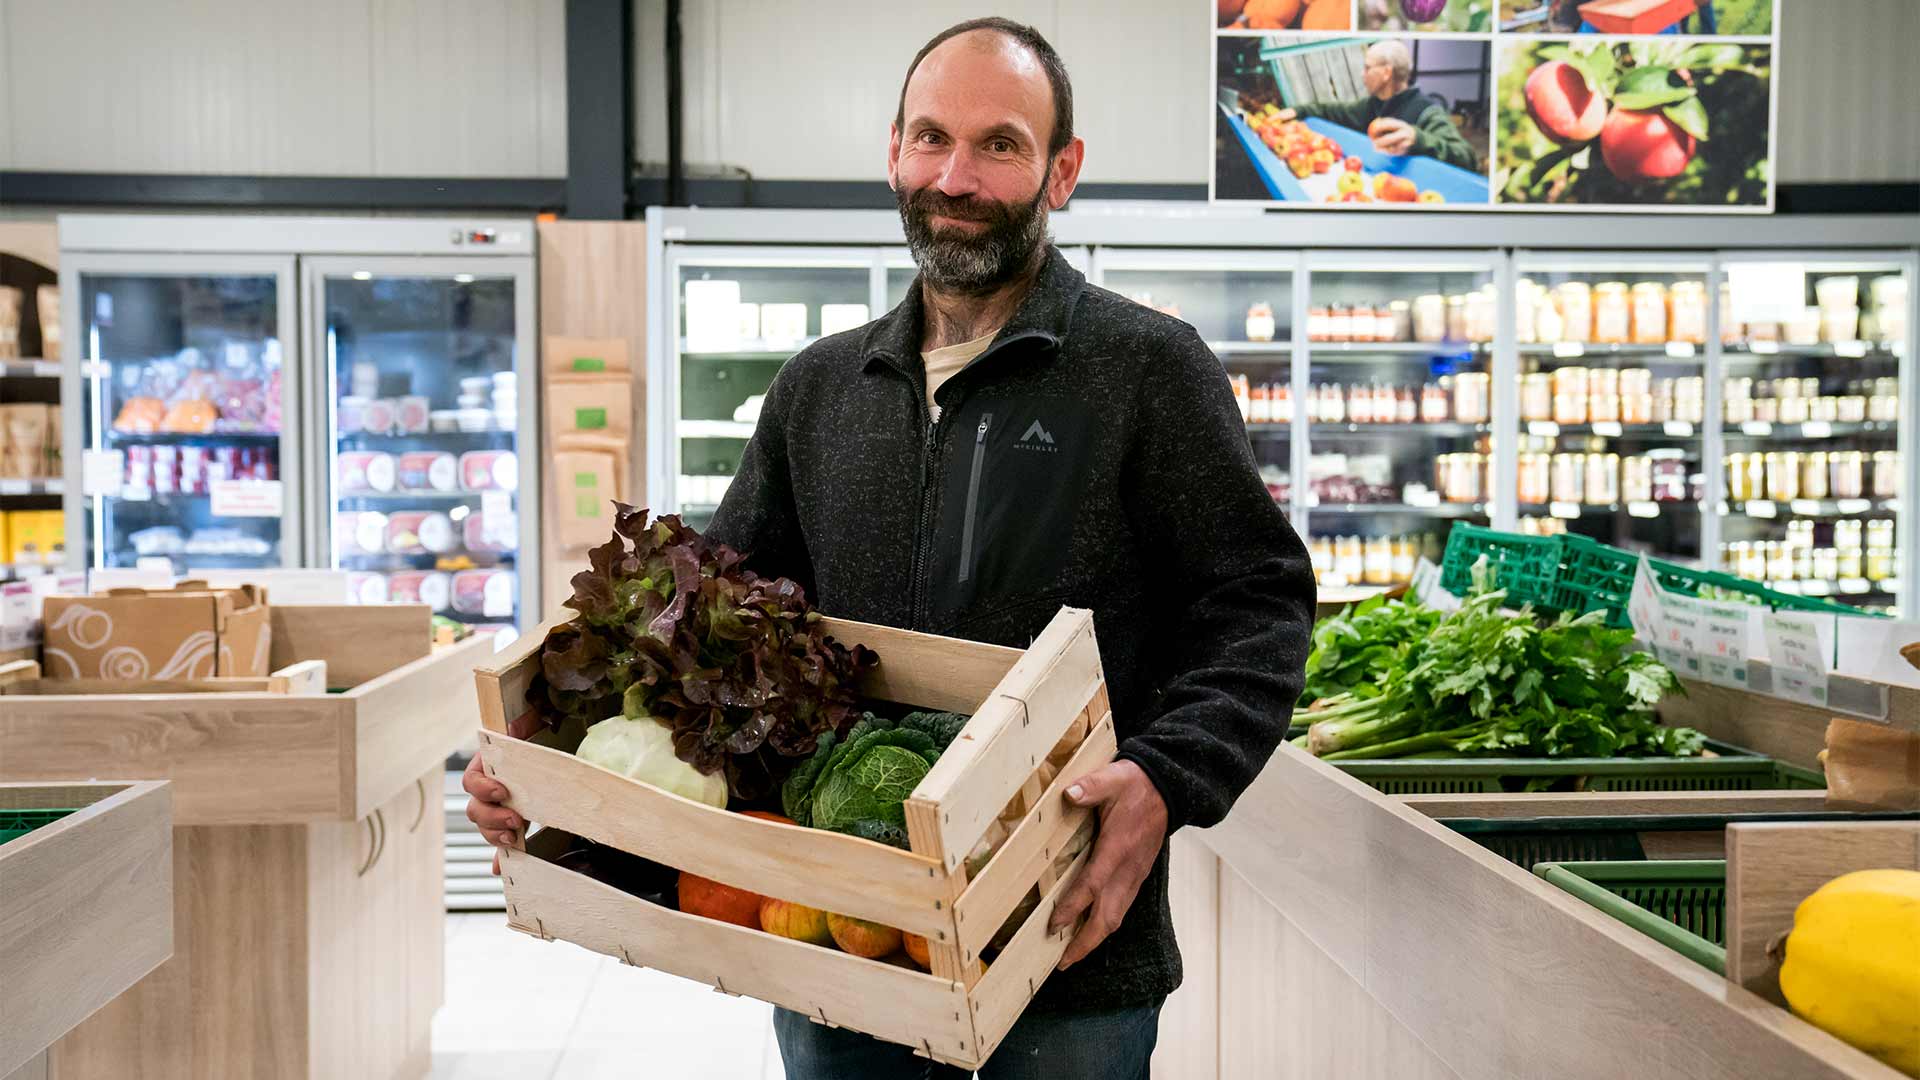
{"x":1483,"y":681}
{"x":858,"y":783}
{"x":642,"y":750}
{"x":672,"y":627}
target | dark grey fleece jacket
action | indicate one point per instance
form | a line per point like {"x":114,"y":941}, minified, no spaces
{"x":1092,"y":456}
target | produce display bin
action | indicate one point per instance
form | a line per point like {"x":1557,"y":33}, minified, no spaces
{"x":1455,"y":184}
{"x":86,"y":905}
{"x":1625,"y":837}
{"x":307,"y":842}
{"x":1576,"y":574}
{"x":1046,"y":702}
{"x":1732,"y":769}
{"x":1680,"y":903}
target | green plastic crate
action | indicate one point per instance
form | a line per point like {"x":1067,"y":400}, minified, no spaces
{"x":1733,"y":769}
{"x":1579,"y":574}
{"x":1527,"y":842}
{"x":18,"y":823}
{"x":1681,"y":903}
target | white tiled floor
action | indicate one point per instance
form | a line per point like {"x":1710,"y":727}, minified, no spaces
{"x":518,"y":1008}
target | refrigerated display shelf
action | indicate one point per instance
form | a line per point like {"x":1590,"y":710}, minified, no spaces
{"x":29,"y":369}
{"x":1441,"y":510}
{"x":1584,"y":350}
{"x":1250,"y":348}
{"x":487,"y":440}
{"x":1678,"y":429}
{"x":1277,"y":429}
{"x":1571,"y":510}
{"x":1336,"y":351}
{"x":1769,"y":509}
{"x":1858,"y":350}
{"x":32,"y":487}
{"x":192,"y":438}
{"x":427,"y":560}
{"x":1438,"y":429}
{"x":1763,"y":429}
{"x":716,"y":429}
{"x":397,"y":497}
{"x":1836,"y":587}
{"x":748,"y":350}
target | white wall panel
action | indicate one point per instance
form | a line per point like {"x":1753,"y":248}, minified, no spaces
{"x":469,"y":88}
{"x":1846,"y":95}
{"x":345,"y":87}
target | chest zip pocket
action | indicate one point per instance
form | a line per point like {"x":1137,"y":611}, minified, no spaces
{"x":973,"y":496}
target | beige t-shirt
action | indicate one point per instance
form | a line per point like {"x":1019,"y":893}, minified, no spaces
{"x":941,"y":364}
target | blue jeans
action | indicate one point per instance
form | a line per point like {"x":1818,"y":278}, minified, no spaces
{"x":1056,"y":1046}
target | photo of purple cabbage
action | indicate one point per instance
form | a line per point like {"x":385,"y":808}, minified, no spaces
{"x":1422,"y":11}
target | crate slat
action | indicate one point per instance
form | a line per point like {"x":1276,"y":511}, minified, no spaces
{"x":877,"y":998}
{"x":814,"y":867}
{"x":1024,"y":964}
{"x":1039,"y":837}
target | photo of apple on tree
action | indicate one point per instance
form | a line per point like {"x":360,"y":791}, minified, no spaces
{"x":1649,"y":121}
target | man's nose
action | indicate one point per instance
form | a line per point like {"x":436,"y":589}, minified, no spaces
{"x":960,"y":176}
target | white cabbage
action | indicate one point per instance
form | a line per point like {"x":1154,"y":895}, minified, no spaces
{"x":643,"y":750}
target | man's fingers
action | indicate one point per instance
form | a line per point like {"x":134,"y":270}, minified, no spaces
{"x":1098,"y":786}
{"x":1103,"y":921}
{"x":498,"y":818}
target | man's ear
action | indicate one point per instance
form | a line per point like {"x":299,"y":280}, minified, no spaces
{"x":893,"y":157}
{"x":1065,"y":175}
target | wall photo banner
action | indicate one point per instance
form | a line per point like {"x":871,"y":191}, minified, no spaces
{"x":1499,"y":105}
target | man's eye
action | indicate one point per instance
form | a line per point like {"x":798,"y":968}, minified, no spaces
{"x":929,"y":137}
{"x":1000,"y":146}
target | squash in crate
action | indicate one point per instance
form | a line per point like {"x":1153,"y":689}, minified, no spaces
{"x":1040,"y":721}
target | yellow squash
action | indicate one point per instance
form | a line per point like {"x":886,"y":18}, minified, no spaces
{"x":1852,"y":965}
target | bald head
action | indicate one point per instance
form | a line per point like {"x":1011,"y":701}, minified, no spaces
{"x":1389,"y":68}
{"x":1015,"y":53}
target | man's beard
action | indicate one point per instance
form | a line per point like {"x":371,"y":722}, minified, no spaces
{"x":973,"y":263}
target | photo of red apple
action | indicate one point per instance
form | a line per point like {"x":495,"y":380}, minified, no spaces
{"x":1563,"y":103}
{"x":1644,"y":146}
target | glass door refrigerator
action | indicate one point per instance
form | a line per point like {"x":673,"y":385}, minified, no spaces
{"x":1243,"y":304}
{"x":181,"y":411}
{"x":1816,"y":412}
{"x":1396,"y":384}
{"x":1613,"y":390}
{"x":424,"y":385}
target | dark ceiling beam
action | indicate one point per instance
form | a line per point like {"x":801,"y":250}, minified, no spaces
{"x":599,"y":107}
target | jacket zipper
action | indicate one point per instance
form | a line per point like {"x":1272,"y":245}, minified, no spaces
{"x":924,"y":540}
{"x":973,"y":497}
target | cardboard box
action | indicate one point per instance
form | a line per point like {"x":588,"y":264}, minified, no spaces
{"x":586,"y":481}
{"x":587,"y":356}
{"x":20,"y":603}
{"x":35,"y":538}
{"x":589,"y":406}
{"x":187,"y":632}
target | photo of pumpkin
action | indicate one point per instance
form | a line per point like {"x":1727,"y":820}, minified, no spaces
{"x":1284,"y":14}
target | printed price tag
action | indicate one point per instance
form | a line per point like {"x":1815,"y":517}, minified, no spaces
{"x":1680,"y":350}
{"x":497,"y":519}
{"x":1852,"y":349}
{"x":1425,"y":498}
{"x":1805,"y":507}
{"x":1853,"y":506}
{"x":1678,"y":429}
{"x":102,"y":472}
{"x":1764,"y":348}
{"x":1643,"y":509}
{"x":1799,"y":646}
{"x":1816,"y":429}
{"x":1643,"y":604}
{"x":1568,"y":350}
{"x":1762,"y":508}
{"x":1567,"y":510}
{"x":1756,"y":427}
{"x":1854,"y":586}
{"x":1712,"y":635}
{"x":16,"y":487}
{"x":246,"y":498}
{"x":1816,"y":588}
{"x":1608,"y":429}
{"x":1544,"y":428}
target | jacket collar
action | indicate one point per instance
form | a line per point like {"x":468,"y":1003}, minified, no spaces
{"x":1043,"y":318}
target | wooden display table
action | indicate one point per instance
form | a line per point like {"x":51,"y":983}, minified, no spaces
{"x":1330,"y":930}
{"x":86,"y":908}
{"x":307,"y":851}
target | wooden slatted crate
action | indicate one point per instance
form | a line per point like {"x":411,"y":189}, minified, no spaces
{"x":1047,"y":703}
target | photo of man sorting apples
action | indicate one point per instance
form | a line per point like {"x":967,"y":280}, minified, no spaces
{"x":1640,"y":121}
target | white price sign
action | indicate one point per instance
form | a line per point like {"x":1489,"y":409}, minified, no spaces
{"x":1766,"y":292}
{"x":1608,"y":429}
{"x":1680,"y":350}
{"x":1566,"y":510}
{"x":1816,"y":429}
{"x":1762,"y":508}
{"x":1569,"y":350}
{"x":102,"y":472}
{"x":1800,"y":647}
{"x":247,"y":498}
{"x":1678,"y":429}
{"x":1544,"y":428}
{"x":1756,"y":427}
{"x":1641,"y":509}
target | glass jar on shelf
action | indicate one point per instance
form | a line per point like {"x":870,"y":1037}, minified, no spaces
{"x":1803,"y":563}
{"x":1746,"y":476}
{"x":1649,"y":303}
{"x":1612,"y":313}
{"x":1349,"y":558}
{"x":1636,"y":479}
{"x":1320,"y":323}
{"x":1536,"y":478}
{"x":1850,"y":533}
{"x":1669,"y":479}
{"x":1813,"y":475}
{"x":1783,"y":475}
{"x":1481,"y":309}
{"x":1878,"y":563}
{"x":1826,"y":564}
{"x":1360,"y":322}
{"x":1738,"y":405}
{"x":1320,"y":552}
{"x":1848,"y":469}
{"x":1636,"y":396}
{"x":1574,"y":301}
{"x":1400,"y":316}
{"x":1339,"y":323}
{"x":1526,"y":307}
{"x":1879,"y":533}
{"x":1569,"y":478}
{"x":1404,"y":558}
{"x":1472,"y":397}
{"x":1800,"y":533}
{"x":1690,"y":399}
{"x":1260,"y":322}
{"x":1886,"y":474}
{"x":1570,"y":395}
{"x":1851,"y":408}
{"x":1793,"y":407}
{"x":1687,"y":319}
{"x":1603,"y":479}
{"x":1377,"y":561}
{"x":1434,"y":407}
{"x":1802,"y":328}
{"x":1430,"y":318}
{"x":1884,"y":406}
{"x":1732,"y":332}
{"x":1333,"y":404}
{"x":1603,"y":396}
{"x":1779,"y":561}
{"x":1456,"y":318}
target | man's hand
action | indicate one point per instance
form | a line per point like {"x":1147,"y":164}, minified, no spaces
{"x":1390,"y":136}
{"x":1133,"y":826}
{"x":498,"y":824}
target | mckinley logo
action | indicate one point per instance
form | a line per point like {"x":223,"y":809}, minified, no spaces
{"x":1037,"y":439}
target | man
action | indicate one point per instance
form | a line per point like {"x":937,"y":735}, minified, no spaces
{"x":1008,"y":441}
{"x":1398,"y":118}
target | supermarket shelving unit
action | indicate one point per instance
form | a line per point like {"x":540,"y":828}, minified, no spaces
{"x":1213,"y":262}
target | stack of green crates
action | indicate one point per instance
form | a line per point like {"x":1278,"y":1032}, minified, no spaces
{"x":1578,"y":574}
{"x":18,"y":823}
{"x":1730,"y":769}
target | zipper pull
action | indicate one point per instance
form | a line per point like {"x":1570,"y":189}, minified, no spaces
{"x":981,"y":436}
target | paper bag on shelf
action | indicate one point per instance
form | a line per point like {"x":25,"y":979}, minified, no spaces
{"x":589,"y":406}
{"x":589,"y":475}
{"x":1871,"y":766}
